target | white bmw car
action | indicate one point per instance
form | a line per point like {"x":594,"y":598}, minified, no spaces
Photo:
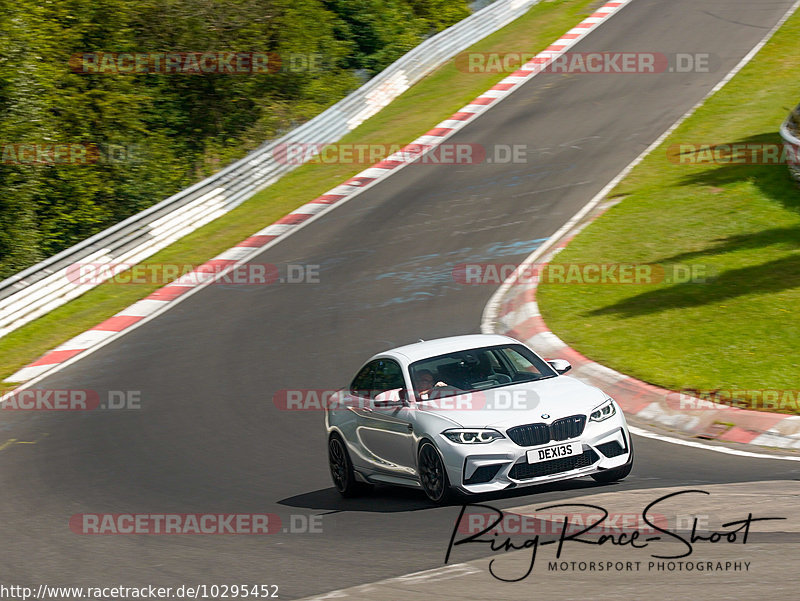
{"x":468,"y":415}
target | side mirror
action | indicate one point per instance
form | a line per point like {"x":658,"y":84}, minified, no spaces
{"x":562,"y":366}
{"x":387,"y":404}
{"x":391,"y":398}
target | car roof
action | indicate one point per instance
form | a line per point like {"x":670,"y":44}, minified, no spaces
{"x":432,"y":348}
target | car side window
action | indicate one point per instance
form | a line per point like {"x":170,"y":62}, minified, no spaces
{"x":520,"y":363}
{"x":497,"y":365}
{"x":388,"y":376}
{"x":362,"y":383}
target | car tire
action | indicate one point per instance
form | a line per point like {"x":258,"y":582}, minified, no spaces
{"x":342,"y":473}
{"x":433,"y":474}
{"x":617,"y":473}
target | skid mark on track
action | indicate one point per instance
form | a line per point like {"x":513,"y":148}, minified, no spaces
{"x":13,"y":441}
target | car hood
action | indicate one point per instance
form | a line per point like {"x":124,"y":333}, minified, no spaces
{"x":520,"y":404}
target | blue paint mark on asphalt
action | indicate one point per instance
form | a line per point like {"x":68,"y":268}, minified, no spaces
{"x":418,"y":282}
{"x":514,"y":248}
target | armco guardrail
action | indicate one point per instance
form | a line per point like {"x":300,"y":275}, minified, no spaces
{"x":42,"y":287}
{"x":790,"y":130}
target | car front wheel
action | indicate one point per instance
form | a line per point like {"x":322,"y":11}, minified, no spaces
{"x":433,"y":475}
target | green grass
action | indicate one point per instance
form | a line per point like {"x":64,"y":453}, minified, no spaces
{"x":415,"y":112}
{"x":742,"y":329}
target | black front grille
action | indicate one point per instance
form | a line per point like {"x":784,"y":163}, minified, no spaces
{"x":567,"y":427}
{"x":611,"y":449}
{"x":531,"y":435}
{"x":484,"y":473}
{"x":526,"y":471}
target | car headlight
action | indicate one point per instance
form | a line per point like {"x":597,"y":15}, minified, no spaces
{"x":473,"y":435}
{"x":604,"y":411}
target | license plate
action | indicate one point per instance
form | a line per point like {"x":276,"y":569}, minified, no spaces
{"x":558,"y":451}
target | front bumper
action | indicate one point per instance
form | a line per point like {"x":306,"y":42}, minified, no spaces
{"x":503,"y":464}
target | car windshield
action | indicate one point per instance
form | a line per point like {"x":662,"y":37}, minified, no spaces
{"x":478,"y":369}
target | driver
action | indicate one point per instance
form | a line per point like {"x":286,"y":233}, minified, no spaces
{"x":423,"y":383}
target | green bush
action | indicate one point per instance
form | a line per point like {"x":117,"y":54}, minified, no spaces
{"x":154,"y":134}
